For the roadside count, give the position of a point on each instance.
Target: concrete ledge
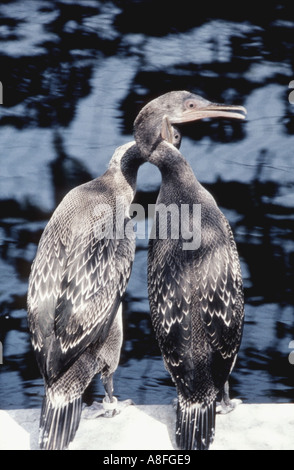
(151, 427)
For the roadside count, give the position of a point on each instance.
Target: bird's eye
(190, 104)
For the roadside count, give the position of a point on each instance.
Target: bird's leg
(109, 401)
(226, 405)
(109, 407)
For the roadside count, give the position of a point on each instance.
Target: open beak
(211, 110)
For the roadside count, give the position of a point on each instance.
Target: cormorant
(76, 285)
(195, 291)
(78, 277)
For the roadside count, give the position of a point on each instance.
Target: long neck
(130, 166)
(156, 150)
(172, 165)
(177, 174)
(147, 128)
(124, 165)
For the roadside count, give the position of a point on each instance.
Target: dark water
(74, 76)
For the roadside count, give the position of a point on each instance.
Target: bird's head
(157, 119)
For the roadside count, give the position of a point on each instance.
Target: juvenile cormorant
(195, 294)
(76, 284)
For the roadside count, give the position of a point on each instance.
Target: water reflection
(74, 76)
(67, 172)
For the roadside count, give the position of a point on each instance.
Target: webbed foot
(227, 406)
(106, 409)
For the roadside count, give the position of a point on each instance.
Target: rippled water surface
(74, 76)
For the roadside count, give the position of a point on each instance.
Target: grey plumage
(196, 303)
(76, 285)
(196, 296)
(80, 274)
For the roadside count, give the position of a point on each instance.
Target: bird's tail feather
(58, 424)
(195, 425)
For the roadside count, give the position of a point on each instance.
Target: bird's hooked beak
(209, 110)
